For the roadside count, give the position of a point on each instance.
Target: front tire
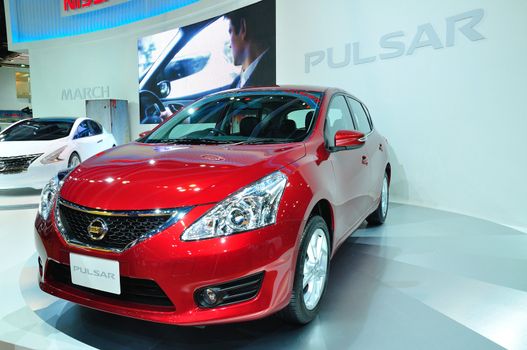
(379, 215)
(311, 273)
(74, 160)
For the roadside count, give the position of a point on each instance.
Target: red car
(228, 212)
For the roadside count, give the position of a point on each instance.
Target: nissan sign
(74, 7)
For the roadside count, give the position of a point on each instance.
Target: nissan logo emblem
(97, 229)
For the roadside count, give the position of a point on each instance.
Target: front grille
(133, 290)
(232, 292)
(124, 228)
(18, 164)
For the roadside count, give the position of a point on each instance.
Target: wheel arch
(323, 209)
(73, 153)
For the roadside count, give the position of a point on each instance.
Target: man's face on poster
(237, 43)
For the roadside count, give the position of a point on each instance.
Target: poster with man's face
(234, 50)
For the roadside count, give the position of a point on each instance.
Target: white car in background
(33, 150)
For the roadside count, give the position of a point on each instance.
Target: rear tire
(74, 160)
(379, 215)
(311, 274)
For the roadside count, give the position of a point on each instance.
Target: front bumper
(36, 176)
(182, 268)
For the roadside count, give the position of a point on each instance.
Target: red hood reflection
(142, 176)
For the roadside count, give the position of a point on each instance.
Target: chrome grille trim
(130, 213)
(17, 164)
(175, 215)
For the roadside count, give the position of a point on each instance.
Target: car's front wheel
(311, 275)
(74, 160)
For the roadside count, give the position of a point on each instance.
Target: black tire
(296, 311)
(74, 156)
(378, 216)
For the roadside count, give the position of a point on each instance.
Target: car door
(374, 148)
(107, 139)
(350, 168)
(85, 140)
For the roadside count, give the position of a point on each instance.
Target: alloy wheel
(315, 269)
(74, 161)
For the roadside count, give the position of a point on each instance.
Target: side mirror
(164, 87)
(348, 138)
(184, 67)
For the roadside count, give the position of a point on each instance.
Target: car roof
(286, 88)
(55, 119)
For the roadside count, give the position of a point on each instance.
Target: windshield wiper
(156, 141)
(261, 141)
(192, 141)
(189, 141)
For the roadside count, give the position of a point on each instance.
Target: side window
(212, 63)
(95, 127)
(83, 130)
(363, 124)
(337, 118)
(302, 117)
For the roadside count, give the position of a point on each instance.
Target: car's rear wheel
(379, 215)
(311, 274)
(74, 160)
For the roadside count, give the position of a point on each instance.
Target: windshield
(37, 130)
(244, 117)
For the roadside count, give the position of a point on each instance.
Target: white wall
(8, 99)
(105, 63)
(454, 116)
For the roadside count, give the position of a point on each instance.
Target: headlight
(49, 194)
(54, 156)
(250, 208)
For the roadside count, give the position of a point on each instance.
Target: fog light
(210, 296)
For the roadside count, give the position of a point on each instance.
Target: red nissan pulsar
(228, 212)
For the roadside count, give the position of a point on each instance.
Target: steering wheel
(150, 107)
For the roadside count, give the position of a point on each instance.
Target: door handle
(364, 160)
(99, 141)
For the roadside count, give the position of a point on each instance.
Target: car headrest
(247, 125)
(287, 128)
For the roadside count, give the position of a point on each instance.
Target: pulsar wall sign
(393, 45)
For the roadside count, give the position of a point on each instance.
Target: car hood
(20, 148)
(144, 176)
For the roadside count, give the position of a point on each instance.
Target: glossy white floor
(426, 279)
